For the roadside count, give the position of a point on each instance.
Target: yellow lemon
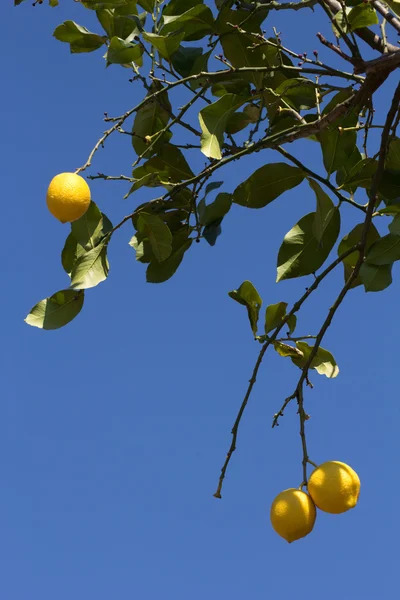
(68, 197)
(293, 514)
(334, 487)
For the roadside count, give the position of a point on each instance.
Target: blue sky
(113, 430)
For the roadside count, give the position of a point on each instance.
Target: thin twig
(262, 352)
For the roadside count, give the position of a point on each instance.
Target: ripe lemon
(293, 514)
(68, 197)
(334, 487)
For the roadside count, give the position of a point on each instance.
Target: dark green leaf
(56, 311)
(150, 119)
(375, 278)
(266, 184)
(393, 156)
(160, 272)
(360, 175)
(350, 240)
(79, 38)
(216, 210)
(169, 166)
(343, 172)
(325, 210)
(394, 226)
(71, 252)
(158, 234)
(248, 296)
(291, 323)
(338, 146)
(212, 231)
(384, 251)
(301, 253)
(389, 185)
(299, 93)
(274, 315)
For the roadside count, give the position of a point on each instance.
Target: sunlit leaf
(274, 315)
(301, 253)
(57, 310)
(79, 38)
(248, 296)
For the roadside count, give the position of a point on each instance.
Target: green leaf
(160, 272)
(298, 92)
(343, 172)
(375, 278)
(91, 227)
(104, 4)
(147, 5)
(301, 253)
(124, 53)
(389, 185)
(196, 22)
(266, 184)
(142, 247)
(323, 362)
(393, 156)
(394, 226)
(213, 119)
(274, 315)
(390, 209)
(216, 210)
(56, 311)
(363, 15)
(91, 268)
(291, 323)
(240, 120)
(394, 5)
(350, 240)
(148, 180)
(169, 166)
(150, 119)
(360, 175)
(79, 38)
(325, 210)
(248, 296)
(158, 234)
(384, 251)
(119, 25)
(238, 47)
(337, 146)
(184, 60)
(166, 45)
(286, 350)
(71, 252)
(212, 231)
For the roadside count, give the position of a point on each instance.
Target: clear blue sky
(113, 430)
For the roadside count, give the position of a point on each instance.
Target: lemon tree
(216, 81)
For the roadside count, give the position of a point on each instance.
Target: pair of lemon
(333, 487)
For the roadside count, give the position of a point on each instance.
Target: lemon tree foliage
(217, 74)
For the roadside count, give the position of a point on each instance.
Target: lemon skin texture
(334, 487)
(293, 514)
(68, 197)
